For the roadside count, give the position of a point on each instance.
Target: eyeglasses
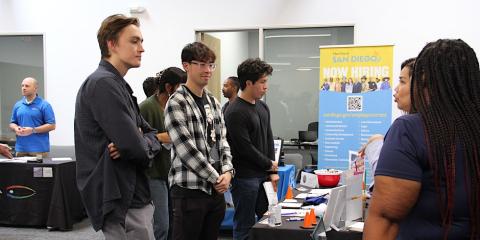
(211, 66)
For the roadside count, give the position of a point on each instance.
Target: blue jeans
(159, 193)
(249, 199)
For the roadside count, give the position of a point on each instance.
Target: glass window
(21, 56)
(294, 56)
(294, 84)
(231, 48)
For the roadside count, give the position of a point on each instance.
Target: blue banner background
(341, 131)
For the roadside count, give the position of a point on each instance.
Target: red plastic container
(328, 179)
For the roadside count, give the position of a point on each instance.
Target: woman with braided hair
(427, 182)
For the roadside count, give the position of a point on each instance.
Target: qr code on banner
(354, 103)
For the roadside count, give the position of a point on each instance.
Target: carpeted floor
(81, 231)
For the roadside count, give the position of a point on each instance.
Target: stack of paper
(357, 227)
(290, 204)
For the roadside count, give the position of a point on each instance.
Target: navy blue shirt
(404, 155)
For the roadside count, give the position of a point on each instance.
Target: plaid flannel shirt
(191, 162)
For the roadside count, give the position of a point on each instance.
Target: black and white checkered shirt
(192, 161)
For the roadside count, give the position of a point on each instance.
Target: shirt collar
(35, 100)
(107, 65)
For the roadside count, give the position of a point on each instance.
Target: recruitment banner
(355, 101)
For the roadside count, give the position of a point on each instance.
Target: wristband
(33, 130)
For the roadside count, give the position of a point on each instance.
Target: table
(300, 145)
(40, 194)
(292, 231)
(287, 177)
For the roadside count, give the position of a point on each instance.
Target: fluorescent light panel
(299, 36)
(303, 69)
(280, 64)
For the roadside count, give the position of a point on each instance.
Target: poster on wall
(355, 101)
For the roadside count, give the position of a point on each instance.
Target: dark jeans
(197, 217)
(249, 199)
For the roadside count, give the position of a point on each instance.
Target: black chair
(295, 159)
(311, 134)
(313, 126)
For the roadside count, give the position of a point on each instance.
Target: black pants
(197, 217)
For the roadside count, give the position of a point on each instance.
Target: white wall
(72, 51)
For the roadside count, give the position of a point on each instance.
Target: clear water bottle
(271, 215)
(275, 215)
(278, 215)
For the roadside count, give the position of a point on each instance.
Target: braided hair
(446, 93)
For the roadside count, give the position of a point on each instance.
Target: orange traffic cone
(313, 218)
(307, 223)
(289, 194)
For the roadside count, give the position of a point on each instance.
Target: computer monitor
(335, 207)
(278, 145)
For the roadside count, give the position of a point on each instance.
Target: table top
(45, 161)
(291, 230)
(294, 143)
(40, 194)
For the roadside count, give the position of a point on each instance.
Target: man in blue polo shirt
(32, 119)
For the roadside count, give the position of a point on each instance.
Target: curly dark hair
(252, 69)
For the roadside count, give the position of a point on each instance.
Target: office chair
(313, 126)
(294, 159)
